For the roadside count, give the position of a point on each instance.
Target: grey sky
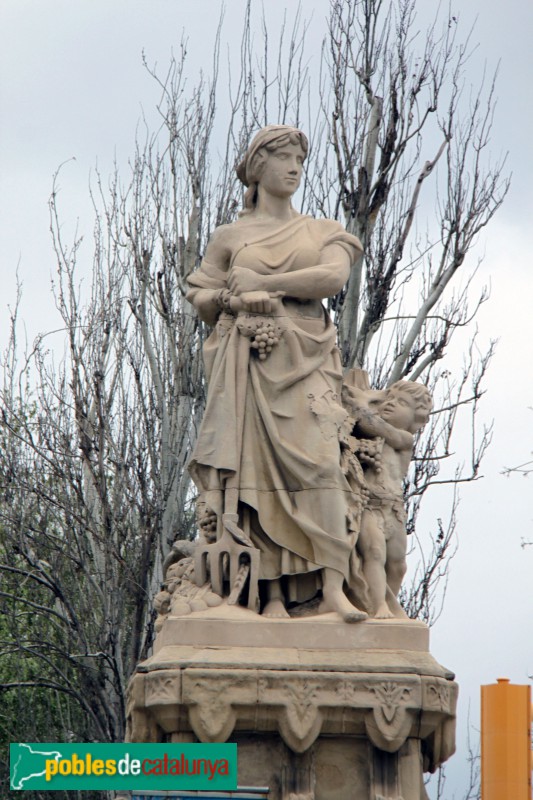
(72, 85)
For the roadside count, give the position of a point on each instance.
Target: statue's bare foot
(384, 612)
(275, 609)
(337, 601)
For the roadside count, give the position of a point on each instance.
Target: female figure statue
(268, 449)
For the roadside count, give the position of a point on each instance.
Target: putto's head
(407, 405)
(269, 140)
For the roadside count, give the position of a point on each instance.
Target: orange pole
(505, 741)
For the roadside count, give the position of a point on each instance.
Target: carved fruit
(181, 609)
(162, 602)
(212, 599)
(197, 604)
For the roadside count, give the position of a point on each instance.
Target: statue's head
(407, 405)
(268, 140)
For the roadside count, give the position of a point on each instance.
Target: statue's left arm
(309, 283)
(314, 282)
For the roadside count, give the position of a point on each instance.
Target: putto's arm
(369, 423)
(372, 424)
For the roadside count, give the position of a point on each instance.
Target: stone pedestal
(321, 710)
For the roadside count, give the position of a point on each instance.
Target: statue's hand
(255, 302)
(242, 280)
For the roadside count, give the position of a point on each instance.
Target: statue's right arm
(209, 302)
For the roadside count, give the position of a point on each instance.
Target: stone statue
(267, 462)
(300, 489)
(390, 418)
(300, 510)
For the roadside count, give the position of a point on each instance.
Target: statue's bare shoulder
(220, 245)
(224, 241)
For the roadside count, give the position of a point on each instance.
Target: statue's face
(282, 170)
(399, 410)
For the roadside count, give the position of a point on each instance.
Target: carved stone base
(321, 710)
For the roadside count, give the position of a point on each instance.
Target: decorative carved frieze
(299, 705)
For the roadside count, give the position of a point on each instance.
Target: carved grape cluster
(208, 526)
(265, 338)
(206, 520)
(370, 452)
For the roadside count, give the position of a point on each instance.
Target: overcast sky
(72, 86)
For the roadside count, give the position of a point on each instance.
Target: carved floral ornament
(439, 696)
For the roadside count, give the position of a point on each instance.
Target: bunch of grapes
(208, 526)
(370, 452)
(266, 336)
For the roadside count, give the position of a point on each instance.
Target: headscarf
(265, 136)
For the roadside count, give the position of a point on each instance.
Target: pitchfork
(234, 546)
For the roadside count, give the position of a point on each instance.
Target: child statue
(390, 418)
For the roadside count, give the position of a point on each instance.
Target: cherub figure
(385, 424)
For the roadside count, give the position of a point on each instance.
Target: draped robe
(272, 426)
